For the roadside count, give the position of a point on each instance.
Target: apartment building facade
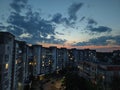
(6, 60)
(20, 65)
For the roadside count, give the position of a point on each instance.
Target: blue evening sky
(64, 22)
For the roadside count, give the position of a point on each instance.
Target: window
(8, 48)
(6, 66)
(6, 58)
(16, 62)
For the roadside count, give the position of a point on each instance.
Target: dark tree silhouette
(74, 82)
(115, 85)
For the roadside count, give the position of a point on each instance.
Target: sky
(93, 24)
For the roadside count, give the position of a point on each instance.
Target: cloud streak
(73, 9)
(103, 40)
(93, 27)
(82, 18)
(92, 22)
(99, 29)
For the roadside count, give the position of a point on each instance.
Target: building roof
(6, 33)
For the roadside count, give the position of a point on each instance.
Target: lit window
(16, 62)
(57, 67)
(6, 66)
(71, 58)
(30, 63)
(43, 56)
(49, 60)
(35, 63)
(43, 62)
(43, 65)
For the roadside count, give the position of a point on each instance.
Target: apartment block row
(104, 71)
(19, 61)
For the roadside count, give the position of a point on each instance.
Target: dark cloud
(73, 9)
(93, 28)
(30, 27)
(59, 33)
(104, 40)
(38, 39)
(92, 22)
(82, 18)
(17, 5)
(57, 18)
(32, 23)
(117, 38)
(99, 29)
(52, 39)
(16, 19)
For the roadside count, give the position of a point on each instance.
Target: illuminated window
(49, 60)
(43, 56)
(6, 66)
(35, 63)
(57, 67)
(43, 65)
(16, 62)
(30, 63)
(43, 62)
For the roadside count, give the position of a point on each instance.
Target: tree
(74, 82)
(115, 84)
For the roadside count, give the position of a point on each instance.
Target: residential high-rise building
(20, 65)
(47, 61)
(65, 56)
(29, 68)
(61, 58)
(37, 49)
(116, 57)
(75, 53)
(89, 55)
(54, 58)
(6, 60)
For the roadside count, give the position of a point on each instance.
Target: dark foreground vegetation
(74, 82)
(71, 80)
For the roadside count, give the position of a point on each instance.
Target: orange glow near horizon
(97, 48)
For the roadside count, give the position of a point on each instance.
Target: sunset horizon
(71, 24)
